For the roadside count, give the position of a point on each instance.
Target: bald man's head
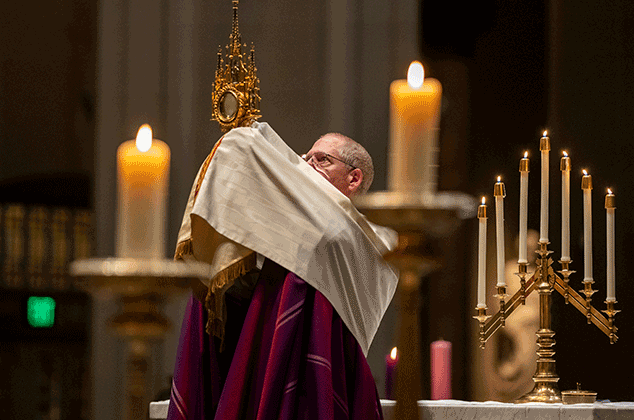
(349, 166)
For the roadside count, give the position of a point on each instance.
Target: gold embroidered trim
(215, 302)
(214, 299)
(205, 165)
(184, 248)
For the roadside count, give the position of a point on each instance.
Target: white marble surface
(158, 409)
(490, 410)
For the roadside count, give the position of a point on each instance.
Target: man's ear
(355, 177)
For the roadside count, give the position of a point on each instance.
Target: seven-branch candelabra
(545, 280)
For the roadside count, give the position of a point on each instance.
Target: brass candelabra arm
(581, 303)
(490, 324)
(566, 272)
(611, 312)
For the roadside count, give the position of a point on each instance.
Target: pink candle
(391, 361)
(441, 370)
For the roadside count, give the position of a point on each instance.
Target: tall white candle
(482, 254)
(523, 247)
(586, 185)
(499, 193)
(609, 210)
(565, 207)
(544, 147)
(143, 176)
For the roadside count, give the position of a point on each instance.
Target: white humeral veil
(254, 194)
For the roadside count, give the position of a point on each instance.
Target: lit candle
(586, 185)
(440, 370)
(523, 247)
(564, 165)
(143, 176)
(499, 192)
(414, 122)
(391, 361)
(610, 206)
(482, 254)
(544, 147)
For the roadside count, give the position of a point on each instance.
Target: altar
(456, 410)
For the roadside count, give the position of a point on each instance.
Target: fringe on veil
(214, 300)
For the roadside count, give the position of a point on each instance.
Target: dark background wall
(47, 101)
(591, 112)
(560, 66)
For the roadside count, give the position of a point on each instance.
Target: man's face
(323, 158)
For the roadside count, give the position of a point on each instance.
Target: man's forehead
(327, 143)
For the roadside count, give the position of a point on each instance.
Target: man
(288, 333)
(351, 173)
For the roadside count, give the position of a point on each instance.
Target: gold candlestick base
(141, 286)
(545, 377)
(543, 392)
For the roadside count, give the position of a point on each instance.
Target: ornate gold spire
(236, 95)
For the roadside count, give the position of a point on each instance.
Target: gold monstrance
(236, 95)
(544, 279)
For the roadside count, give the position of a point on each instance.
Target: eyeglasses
(323, 159)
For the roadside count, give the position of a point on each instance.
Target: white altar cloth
(490, 410)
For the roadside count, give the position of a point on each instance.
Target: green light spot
(40, 311)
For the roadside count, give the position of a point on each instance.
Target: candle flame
(525, 154)
(144, 138)
(565, 154)
(483, 201)
(393, 353)
(609, 191)
(545, 133)
(585, 173)
(499, 179)
(415, 75)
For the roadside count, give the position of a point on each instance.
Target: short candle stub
(610, 202)
(586, 181)
(544, 142)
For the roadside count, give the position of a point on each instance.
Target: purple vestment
(287, 356)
